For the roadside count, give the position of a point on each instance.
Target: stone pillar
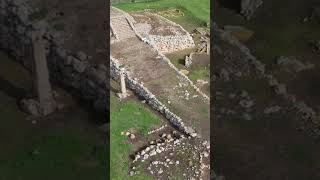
(124, 92)
(123, 83)
(42, 87)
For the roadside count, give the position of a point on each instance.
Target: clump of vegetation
(199, 74)
(171, 12)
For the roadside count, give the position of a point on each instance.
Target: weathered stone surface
(294, 63)
(272, 109)
(248, 7)
(150, 98)
(309, 118)
(188, 61)
(30, 106)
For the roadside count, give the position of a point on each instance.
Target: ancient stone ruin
(139, 44)
(165, 35)
(44, 103)
(71, 67)
(124, 92)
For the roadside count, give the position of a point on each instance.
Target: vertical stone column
(42, 87)
(123, 84)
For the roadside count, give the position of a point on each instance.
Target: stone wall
(178, 39)
(72, 69)
(142, 91)
(146, 40)
(171, 43)
(154, 47)
(309, 118)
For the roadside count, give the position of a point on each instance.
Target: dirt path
(163, 81)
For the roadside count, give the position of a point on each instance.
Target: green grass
(284, 33)
(30, 152)
(49, 154)
(197, 12)
(123, 116)
(199, 74)
(27, 153)
(300, 154)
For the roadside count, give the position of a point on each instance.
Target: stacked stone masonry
(160, 54)
(309, 117)
(72, 69)
(142, 91)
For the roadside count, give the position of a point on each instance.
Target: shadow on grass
(11, 90)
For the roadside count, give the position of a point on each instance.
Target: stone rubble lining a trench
(171, 142)
(72, 69)
(309, 116)
(130, 20)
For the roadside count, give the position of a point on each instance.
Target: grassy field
(199, 74)
(196, 12)
(64, 147)
(124, 116)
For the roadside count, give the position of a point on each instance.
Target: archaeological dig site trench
(160, 66)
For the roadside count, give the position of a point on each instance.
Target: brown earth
(82, 23)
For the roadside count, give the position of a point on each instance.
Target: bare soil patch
(81, 23)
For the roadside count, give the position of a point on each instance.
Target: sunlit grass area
(124, 116)
(195, 11)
